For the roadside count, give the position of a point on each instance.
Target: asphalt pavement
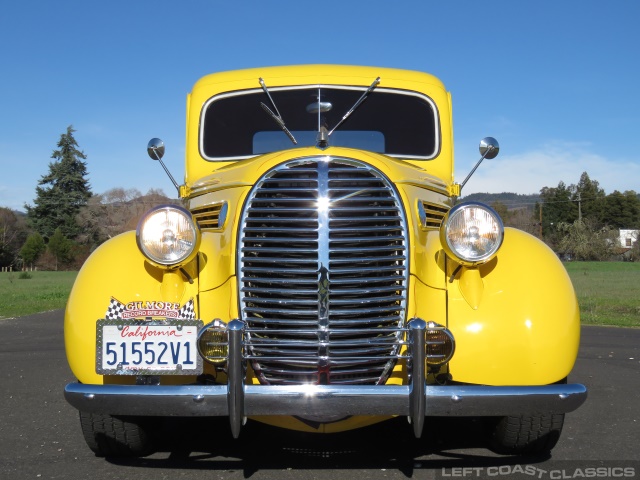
(40, 435)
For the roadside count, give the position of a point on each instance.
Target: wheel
(109, 436)
(526, 434)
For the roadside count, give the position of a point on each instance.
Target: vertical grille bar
(324, 281)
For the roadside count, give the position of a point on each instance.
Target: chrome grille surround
(323, 273)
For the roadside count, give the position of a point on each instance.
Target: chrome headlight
(471, 233)
(168, 236)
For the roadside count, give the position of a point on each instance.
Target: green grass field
(43, 291)
(608, 292)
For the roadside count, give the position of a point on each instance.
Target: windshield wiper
(357, 104)
(276, 116)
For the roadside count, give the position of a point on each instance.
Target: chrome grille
(323, 273)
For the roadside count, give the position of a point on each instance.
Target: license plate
(135, 347)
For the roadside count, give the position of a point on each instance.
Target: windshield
(391, 122)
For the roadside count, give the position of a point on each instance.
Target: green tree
(32, 249)
(60, 247)
(62, 192)
(557, 208)
(622, 210)
(590, 199)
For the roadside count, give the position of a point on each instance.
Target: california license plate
(136, 347)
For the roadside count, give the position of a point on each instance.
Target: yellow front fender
(117, 274)
(515, 319)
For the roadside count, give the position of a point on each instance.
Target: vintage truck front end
(321, 276)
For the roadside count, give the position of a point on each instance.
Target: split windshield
(392, 122)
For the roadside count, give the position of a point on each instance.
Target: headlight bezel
(176, 258)
(492, 231)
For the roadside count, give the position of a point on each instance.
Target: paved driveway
(40, 435)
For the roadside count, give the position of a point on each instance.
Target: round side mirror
(155, 149)
(489, 148)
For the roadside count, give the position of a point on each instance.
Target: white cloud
(528, 172)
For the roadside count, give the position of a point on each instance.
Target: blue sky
(556, 82)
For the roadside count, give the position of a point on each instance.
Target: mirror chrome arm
(155, 149)
(489, 149)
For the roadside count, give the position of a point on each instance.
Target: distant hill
(513, 201)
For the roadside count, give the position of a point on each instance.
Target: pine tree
(622, 210)
(590, 199)
(62, 192)
(557, 206)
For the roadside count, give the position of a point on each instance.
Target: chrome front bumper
(237, 400)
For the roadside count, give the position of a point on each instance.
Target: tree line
(67, 220)
(578, 221)
(582, 222)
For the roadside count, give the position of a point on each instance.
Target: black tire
(526, 434)
(109, 436)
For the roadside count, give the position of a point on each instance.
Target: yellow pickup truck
(322, 275)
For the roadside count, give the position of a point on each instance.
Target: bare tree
(13, 233)
(116, 211)
(586, 240)
(523, 219)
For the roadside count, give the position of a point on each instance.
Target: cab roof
(323, 74)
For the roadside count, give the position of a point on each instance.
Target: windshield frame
(396, 91)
